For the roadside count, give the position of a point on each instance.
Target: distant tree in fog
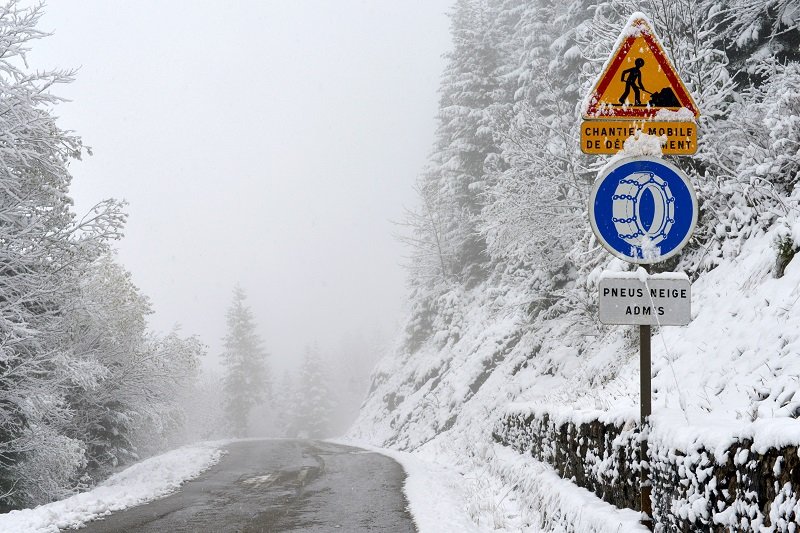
(314, 406)
(246, 383)
(285, 402)
(205, 417)
(352, 366)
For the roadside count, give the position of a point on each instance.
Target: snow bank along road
(279, 485)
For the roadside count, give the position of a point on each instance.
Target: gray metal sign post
(643, 210)
(646, 409)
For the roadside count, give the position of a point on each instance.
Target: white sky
(266, 143)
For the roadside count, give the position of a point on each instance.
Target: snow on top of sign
(615, 266)
(681, 115)
(639, 144)
(638, 24)
(637, 274)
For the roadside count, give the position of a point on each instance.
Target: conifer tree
(314, 405)
(285, 405)
(246, 383)
(448, 250)
(456, 177)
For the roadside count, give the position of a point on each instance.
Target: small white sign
(636, 298)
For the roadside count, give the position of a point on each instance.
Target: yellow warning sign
(639, 81)
(609, 136)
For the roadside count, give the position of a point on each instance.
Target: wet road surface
(279, 485)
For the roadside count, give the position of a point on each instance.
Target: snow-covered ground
(442, 498)
(445, 499)
(436, 494)
(732, 373)
(145, 481)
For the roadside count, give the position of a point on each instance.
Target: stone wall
(743, 488)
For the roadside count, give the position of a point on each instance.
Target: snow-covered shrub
(751, 165)
(51, 467)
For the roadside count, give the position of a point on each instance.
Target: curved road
(279, 485)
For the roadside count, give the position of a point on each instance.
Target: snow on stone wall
(602, 456)
(739, 483)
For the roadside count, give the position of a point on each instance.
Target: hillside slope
(736, 362)
(504, 271)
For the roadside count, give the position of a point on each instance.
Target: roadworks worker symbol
(639, 80)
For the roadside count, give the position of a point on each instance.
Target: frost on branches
(79, 376)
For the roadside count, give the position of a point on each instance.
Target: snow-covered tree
(167, 371)
(447, 250)
(107, 327)
(247, 381)
(45, 251)
(285, 402)
(143, 375)
(450, 188)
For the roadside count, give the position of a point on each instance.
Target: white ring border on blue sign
(604, 173)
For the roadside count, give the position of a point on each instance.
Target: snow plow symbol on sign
(639, 80)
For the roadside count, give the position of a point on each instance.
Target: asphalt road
(279, 485)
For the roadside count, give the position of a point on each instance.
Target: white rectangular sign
(663, 299)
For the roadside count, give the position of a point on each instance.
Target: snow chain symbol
(642, 209)
(626, 209)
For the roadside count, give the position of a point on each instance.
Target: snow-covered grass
(143, 482)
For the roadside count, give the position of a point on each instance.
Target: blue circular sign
(643, 209)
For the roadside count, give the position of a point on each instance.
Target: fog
(269, 144)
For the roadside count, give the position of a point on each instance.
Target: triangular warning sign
(639, 80)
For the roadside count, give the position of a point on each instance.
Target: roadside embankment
(726, 477)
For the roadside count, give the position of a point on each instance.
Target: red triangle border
(666, 66)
